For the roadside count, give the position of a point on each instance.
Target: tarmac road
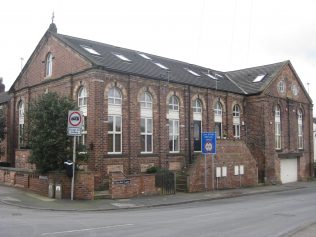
(288, 210)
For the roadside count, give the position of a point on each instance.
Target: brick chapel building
(142, 110)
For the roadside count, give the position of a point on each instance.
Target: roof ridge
(262, 66)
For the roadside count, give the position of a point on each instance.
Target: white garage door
(288, 170)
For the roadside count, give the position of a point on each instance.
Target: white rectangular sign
(74, 131)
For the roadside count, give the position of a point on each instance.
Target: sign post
(208, 147)
(75, 120)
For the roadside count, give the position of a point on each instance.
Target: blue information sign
(209, 142)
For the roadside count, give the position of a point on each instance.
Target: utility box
(58, 191)
(51, 190)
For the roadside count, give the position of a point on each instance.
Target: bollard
(58, 191)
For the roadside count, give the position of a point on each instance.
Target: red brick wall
(229, 154)
(136, 185)
(84, 182)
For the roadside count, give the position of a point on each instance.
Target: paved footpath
(20, 198)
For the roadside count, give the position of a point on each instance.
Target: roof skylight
(211, 76)
(219, 75)
(259, 78)
(90, 50)
(122, 57)
(144, 56)
(193, 72)
(161, 66)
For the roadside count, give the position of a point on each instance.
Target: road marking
(90, 229)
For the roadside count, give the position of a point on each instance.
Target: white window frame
(21, 123)
(146, 133)
(218, 118)
(173, 103)
(236, 121)
(114, 97)
(281, 86)
(278, 131)
(300, 129)
(82, 104)
(197, 106)
(146, 101)
(174, 126)
(114, 133)
(49, 65)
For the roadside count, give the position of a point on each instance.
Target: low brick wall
(84, 182)
(122, 186)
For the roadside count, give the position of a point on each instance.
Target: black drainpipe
(288, 124)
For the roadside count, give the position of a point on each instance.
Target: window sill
(147, 154)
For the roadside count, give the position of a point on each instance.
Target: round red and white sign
(74, 119)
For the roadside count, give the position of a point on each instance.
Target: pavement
(20, 198)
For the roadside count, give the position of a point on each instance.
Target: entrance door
(288, 170)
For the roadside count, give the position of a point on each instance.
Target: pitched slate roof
(245, 77)
(141, 66)
(4, 97)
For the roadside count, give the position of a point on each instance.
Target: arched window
(236, 121)
(49, 65)
(218, 111)
(146, 101)
(82, 97)
(21, 123)
(146, 123)
(277, 119)
(197, 106)
(82, 104)
(114, 121)
(174, 144)
(173, 103)
(197, 124)
(115, 96)
(300, 129)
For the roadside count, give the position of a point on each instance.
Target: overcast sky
(223, 34)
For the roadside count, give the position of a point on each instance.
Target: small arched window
(218, 109)
(115, 96)
(197, 106)
(82, 97)
(236, 121)
(49, 65)
(277, 119)
(173, 103)
(21, 123)
(236, 111)
(146, 101)
(300, 129)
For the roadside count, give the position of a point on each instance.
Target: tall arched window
(114, 121)
(300, 129)
(218, 111)
(49, 65)
(82, 104)
(146, 123)
(236, 121)
(197, 124)
(174, 144)
(277, 119)
(21, 123)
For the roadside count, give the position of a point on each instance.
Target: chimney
(2, 86)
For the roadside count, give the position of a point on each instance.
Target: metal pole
(213, 172)
(205, 173)
(73, 169)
